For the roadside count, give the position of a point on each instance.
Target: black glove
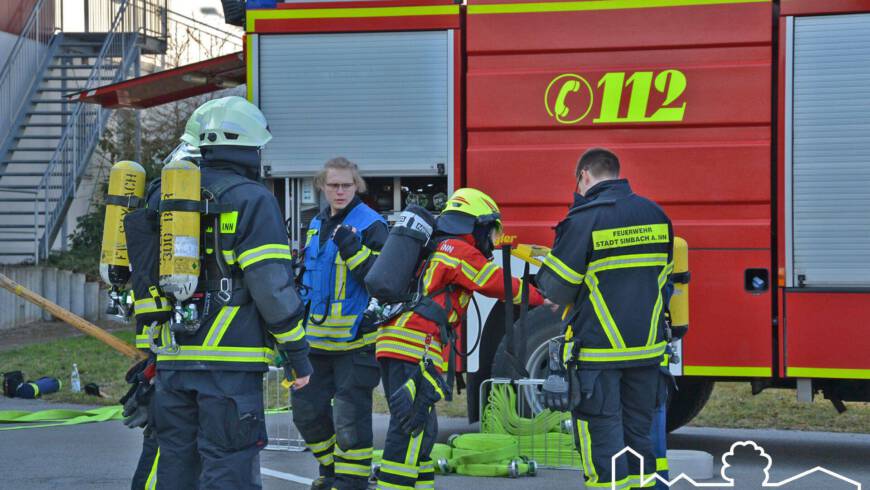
(136, 407)
(555, 389)
(346, 240)
(296, 364)
(138, 397)
(430, 390)
(402, 400)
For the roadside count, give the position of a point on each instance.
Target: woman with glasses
(341, 245)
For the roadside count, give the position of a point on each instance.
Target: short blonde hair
(340, 163)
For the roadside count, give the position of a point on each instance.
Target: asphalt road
(102, 456)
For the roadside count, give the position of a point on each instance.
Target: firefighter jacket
(611, 260)
(264, 310)
(333, 278)
(456, 270)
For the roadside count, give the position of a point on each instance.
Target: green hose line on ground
(508, 445)
(545, 438)
(58, 417)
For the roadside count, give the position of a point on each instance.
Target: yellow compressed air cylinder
(679, 305)
(126, 180)
(179, 229)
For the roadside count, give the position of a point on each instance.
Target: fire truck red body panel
(711, 171)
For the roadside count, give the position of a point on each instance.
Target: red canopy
(170, 85)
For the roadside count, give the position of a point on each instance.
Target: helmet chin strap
(483, 239)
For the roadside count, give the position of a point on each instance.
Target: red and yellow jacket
(456, 262)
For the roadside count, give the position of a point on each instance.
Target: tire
(686, 403)
(543, 325)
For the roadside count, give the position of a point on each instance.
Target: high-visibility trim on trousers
(323, 451)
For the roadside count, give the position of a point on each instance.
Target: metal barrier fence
(283, 435)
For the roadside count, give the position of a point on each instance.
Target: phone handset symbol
(568, 87)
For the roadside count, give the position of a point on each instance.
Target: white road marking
(286, 476)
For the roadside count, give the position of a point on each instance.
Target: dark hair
(599, 162)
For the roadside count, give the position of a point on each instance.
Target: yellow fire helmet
(467, 208)
(233, 121)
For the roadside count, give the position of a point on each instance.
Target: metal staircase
(46, 141)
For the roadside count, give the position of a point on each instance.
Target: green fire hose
(509, 445)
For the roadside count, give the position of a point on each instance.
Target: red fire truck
(747, 120)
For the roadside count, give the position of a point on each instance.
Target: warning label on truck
(629, 236)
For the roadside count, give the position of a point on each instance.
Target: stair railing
(84, 127)
(24, 65)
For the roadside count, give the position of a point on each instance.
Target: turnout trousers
(407, 462)
(616, 412)
(334, 415)
(210, 429)
(145, 477)
(659, 431)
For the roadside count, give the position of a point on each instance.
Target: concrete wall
(68, 290)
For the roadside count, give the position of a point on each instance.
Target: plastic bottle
(75, 380)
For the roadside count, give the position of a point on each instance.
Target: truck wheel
(542, 326)
(688, 400)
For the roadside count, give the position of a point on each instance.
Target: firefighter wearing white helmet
(209, 414)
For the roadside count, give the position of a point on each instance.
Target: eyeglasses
(344, 187)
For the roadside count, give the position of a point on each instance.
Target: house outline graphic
(729, 482)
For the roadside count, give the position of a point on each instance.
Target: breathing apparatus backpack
(166, 249)
(395, 279)
(126, 189)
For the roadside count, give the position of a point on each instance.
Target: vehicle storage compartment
(827, 197)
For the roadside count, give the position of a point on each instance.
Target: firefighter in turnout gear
(610, 262)
(209, 414)
(334, 412)
(411, 347)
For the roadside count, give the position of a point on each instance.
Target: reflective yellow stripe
(662, 464)
(219, 354)
(803, 372)
(150, 305)
(407, 333)
(329, 345)
(383, 484)
(220, 325)
(143, 340)
(413, 452)
(635, 481)
(354, 454)
(399, 469)
(608, 324)
(518, 8)
(617, 485)
(486, 274)
(657, 309)
(434, 383)
(346, 13)
(761, 372)
(229, 256)
(352, 469)
(293, 335)
(359, 257)
(628, 261)
(586, 452)
(626, 354)
(321, 446)
(263, 252)
(151, 482)
(561, 269)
